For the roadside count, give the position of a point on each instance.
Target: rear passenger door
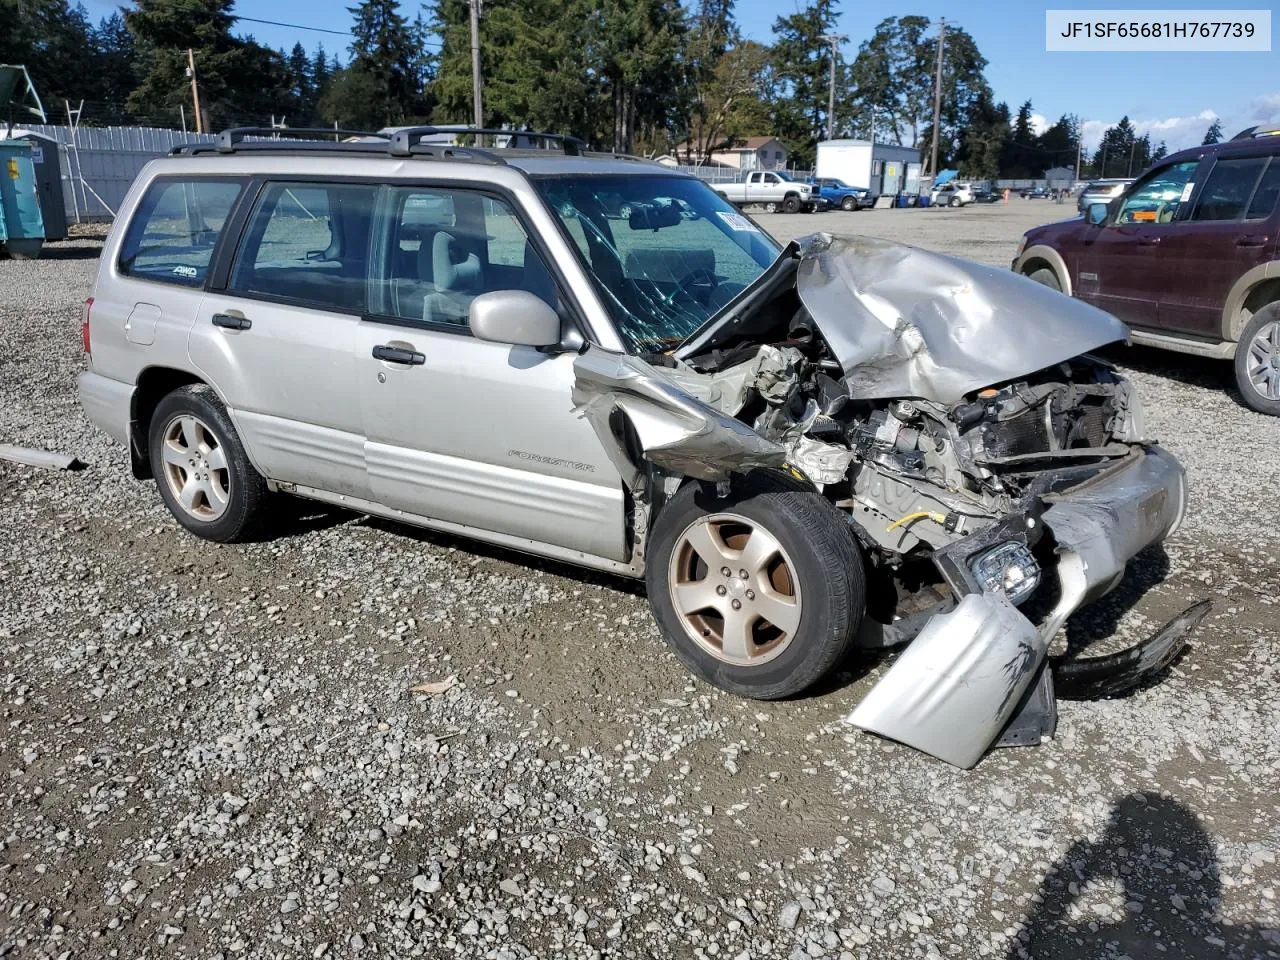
(461, 430)
(1229, 231)
(276, 333)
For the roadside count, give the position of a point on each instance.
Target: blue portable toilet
(21, 225)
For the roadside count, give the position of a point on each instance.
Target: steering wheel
(699, 280)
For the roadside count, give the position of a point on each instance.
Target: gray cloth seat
(457, 273)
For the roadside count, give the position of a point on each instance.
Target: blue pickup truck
(837, 193)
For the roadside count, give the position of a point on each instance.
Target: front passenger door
(1120, 261)
(461, 430)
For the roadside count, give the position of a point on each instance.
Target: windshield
(665, 252)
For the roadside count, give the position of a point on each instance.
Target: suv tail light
(84, 325)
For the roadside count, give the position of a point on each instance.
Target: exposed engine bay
(995, 474)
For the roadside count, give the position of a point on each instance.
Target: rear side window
(1263, 203)
(308, 243)
(173, 233)
(1227, 192)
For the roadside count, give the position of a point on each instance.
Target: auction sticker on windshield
(736, 221)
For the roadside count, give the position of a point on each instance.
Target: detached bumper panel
(957, 686)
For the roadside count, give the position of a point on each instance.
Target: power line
(338, 33)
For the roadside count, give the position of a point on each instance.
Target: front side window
(1157, 197)
(309, 243)
(446, 247)
(678, 255)
(172, 236)
(1228, 189)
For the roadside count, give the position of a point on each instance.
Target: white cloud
(1181, 132)
(1039, 123)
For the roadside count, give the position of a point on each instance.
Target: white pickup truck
(774, 190)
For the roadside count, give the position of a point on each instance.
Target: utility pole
(478, 108)
(1129, 170)
(937, 99)
(833, 40)
(1079, 143)
(195, 89)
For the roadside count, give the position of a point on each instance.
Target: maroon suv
(1188, 256)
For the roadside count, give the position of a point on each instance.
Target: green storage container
(21, 226)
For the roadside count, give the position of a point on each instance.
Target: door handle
(1148, 241)
(231, 322)
(1251, 240)
(410, 358)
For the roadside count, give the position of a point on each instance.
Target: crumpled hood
(904, 322)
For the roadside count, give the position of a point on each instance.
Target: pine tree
(302, 103)
(803, 59)
(1213, 134)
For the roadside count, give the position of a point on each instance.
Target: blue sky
(1171, 96)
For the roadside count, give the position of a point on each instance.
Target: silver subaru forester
(844, 442)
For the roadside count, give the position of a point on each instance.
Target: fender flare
(1234, 312)
(1050, 256)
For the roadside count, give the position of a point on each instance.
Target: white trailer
(846, 160)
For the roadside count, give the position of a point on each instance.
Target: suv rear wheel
(200, 466)
(1258, 361)
(759, 593)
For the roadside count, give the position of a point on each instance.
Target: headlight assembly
(1009, 569)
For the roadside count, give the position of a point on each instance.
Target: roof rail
(403, 141)
(227, 139)
(1252, 133)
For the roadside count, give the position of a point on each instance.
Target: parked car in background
(1188, 256)
(987, 195)
(774, 190)
(1034, 193)
(837, 193)
(951, 195)
(1101, 191)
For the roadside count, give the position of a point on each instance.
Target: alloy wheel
(195, 468)
(735, 589)
(1264, 361)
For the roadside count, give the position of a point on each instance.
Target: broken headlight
(1009, 569)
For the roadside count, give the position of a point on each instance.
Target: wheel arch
(1039, 257)
(153, 385)
(1258, 288)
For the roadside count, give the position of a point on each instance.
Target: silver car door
(462, 430)
(278, 339)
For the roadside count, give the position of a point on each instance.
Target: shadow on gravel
(1195, 371)
(1098, 621)
(1160, 859)
(71, 250)
(446, 541)
(296, 517)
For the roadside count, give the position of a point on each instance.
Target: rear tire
(1257, 361)
(1047, 277)
(200, 466)
(791, 204)
(806, 574)
(955, 202)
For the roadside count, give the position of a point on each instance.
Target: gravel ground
(216, 751)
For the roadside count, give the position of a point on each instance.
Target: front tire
(200, 466)
(955, 201)
(791, 204)
(1257, 361)
(792, 600)
(1047, 277)
(848, 204)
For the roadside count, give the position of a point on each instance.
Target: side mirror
(1097, 214)
(516, 317)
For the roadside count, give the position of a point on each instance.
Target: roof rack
(227, 139)
(1252, 133)
(404, 140)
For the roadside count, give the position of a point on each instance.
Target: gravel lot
(215, 751)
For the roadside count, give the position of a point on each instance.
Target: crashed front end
(996, 475)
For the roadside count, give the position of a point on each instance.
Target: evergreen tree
(302, 103)
(240, 81)
(802, 59)
(379, 87)
(1213, 134)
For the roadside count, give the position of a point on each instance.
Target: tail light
(84, 325)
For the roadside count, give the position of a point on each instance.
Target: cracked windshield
(666, 252)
